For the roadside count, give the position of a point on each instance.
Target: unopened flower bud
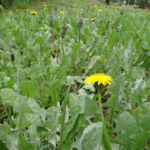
(63, 31)
(122, 10)
(51, 21)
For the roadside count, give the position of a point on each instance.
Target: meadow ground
(74, 76)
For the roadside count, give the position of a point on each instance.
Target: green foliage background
(44, 101)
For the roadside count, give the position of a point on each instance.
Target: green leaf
(36, 108)
(93, 61)
(140, 140)
(76, 103)
(76, 47)
(20, 76)
(79, 122)
(92, 137)
(89, 86)
(35, 120)
(76, 144)
(71, 79)
(145, 123)
(83, 38)
(13, 141)
(28, 89)
(69, 125)
(21, 106)
(54, 91)
(3, 132)
(116, 91)
(36, 70)
(52, 119)
(126, 123)
(23, 144)
(90, 108)
(62, 75)
(21, 122)
(113, 38)
(8, 96)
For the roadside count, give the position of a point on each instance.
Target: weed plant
(45, 57)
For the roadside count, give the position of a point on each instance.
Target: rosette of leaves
(122, 10)
(63, 31)
(51, 21)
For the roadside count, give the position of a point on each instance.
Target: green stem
(63, 47)
(118, 22)
(54, 43)
(105, 135)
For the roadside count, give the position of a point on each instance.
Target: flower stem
(54, 42)
(105, 135)
(118, 22)
(63, 48)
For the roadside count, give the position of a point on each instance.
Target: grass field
(74, 76)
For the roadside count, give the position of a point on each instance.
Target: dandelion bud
(122, 10)
(63, 31)
(55, 7)
(12, 57)
(81, 21)
(51, 21)
(78, 25)
(64, 27)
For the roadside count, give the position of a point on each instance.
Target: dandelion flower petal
(98, 77)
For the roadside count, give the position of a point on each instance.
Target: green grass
(44, 100)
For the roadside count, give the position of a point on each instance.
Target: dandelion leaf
(92, 137)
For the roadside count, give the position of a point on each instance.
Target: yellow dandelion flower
(93, 19)
(61, 12)
(107, 21)
(141, 15)
(100, 10)
(136, 13)
(34, 12)
(100, 78)
(17, 10)
(46, 138)
(95, 6)
(118, 8)
(17, 27)
(75, 5)
(45, 8)
(44, 5)
(27, 9)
